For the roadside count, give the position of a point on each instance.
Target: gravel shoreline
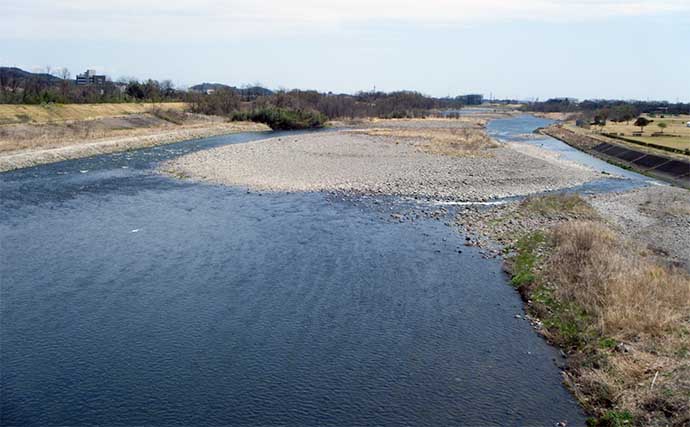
(360, 163)
(657, 217)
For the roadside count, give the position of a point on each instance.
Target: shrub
(283, 118)
(222, 102)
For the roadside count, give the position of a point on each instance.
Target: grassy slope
(623, 318)
(120, 127)
(11, 113)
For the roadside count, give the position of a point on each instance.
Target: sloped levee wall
(666, 168)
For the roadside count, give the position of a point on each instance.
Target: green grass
(567, 321)
(525, 261)
(607, 343)
(612, 419)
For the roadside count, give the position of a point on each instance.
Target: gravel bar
(359, 163)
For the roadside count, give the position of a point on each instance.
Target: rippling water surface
(129, 298)
(521, 128)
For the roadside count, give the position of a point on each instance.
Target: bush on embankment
(283, 118)
(623, 318)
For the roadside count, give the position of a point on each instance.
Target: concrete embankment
(674, 170)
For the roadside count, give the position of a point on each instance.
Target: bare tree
(167, 89)
(65, 83)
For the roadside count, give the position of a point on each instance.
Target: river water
(131, 298)
(614, 178)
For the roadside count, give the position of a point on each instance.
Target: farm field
(54, 113)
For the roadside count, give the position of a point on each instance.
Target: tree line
(602, 110)
(400, 104)
(297, 109)
(20, 87)
(282, 108)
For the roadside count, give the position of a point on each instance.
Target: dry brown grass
(24, 145)
(620, 310)
(558, 205)
(627, 294)
(20, 137)
(630, 317)
(677, 133)
(557, 116)
(437, 122)
(23, 137)
(461, 142)
(53, 113)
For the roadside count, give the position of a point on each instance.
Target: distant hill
(21, 76)
(250, 91)
(203, 87)
(255, 91)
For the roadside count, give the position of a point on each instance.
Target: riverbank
(60, 113)
(656, 216)
(671, 167)
(25, 145)
(440, 159)
(607, 279)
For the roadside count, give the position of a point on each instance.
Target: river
(131, 298)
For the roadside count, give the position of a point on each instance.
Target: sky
(518, 49)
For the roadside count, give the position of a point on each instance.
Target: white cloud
(183, 19)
